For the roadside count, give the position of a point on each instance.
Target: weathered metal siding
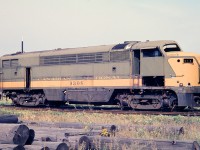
(29, 61)
(13, 74)
(13, 78)
(75, 73)
(82, 71)
(58, 71)
(152, 66)
(118, 69)
(169, 72)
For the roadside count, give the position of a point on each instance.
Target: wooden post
(53, 145)
(36, 147)
(8, 119)
(121, 143)
(13, 134)
(31, 137)
(11, 146)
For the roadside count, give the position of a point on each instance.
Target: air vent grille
(75, 58)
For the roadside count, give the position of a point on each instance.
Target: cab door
(136, 63)
(136, 67)
(152, 67)
(28, 78)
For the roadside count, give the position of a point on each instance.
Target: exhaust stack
(22, 45)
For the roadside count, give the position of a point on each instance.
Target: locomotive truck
(140, 75)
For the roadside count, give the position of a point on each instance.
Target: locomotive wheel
(133, 103)
(174, 105)
(121, 106)
(137, 105)
(21, 101)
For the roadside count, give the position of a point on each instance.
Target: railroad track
(87, 109)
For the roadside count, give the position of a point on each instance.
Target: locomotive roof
(90, 49)
(147, 44)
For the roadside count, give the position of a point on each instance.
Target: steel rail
(107, 111)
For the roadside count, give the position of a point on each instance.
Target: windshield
(171, 48)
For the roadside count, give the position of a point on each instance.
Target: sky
(51, 24)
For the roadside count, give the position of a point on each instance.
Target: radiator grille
(75, 58)
(119, 56)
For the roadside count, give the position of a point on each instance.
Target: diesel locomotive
(140, 75)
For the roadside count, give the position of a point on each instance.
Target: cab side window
(153, 52)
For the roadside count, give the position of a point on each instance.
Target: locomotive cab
(168, 76)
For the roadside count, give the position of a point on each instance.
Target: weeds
(191, 125)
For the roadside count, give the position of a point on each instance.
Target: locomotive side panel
(14, 71)
(13, 79)
(152, 62)
(13, 74)
(81, 81)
